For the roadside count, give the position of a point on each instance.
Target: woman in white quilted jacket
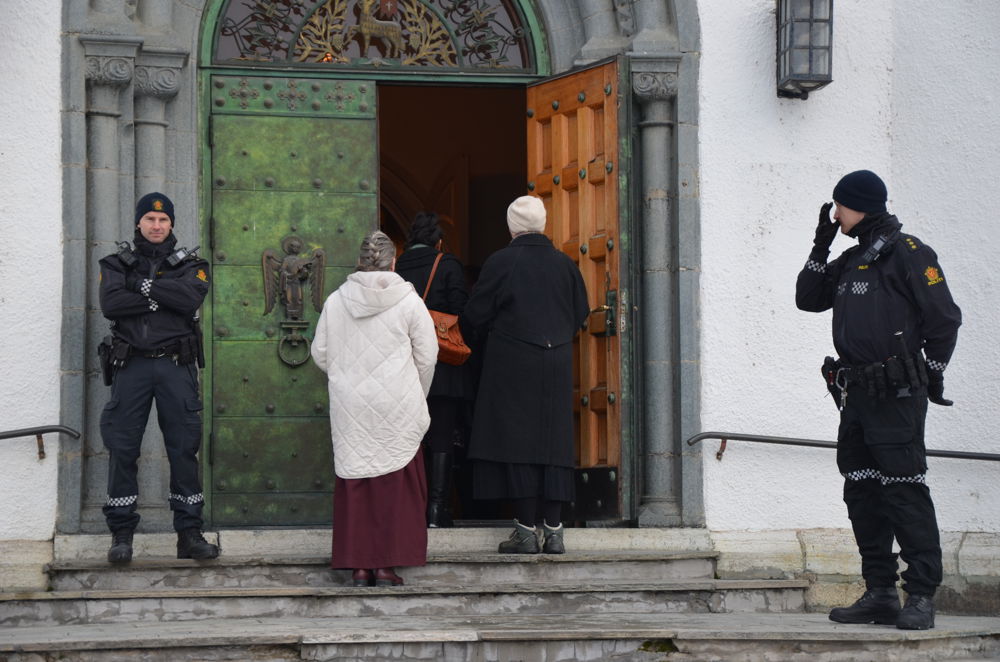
(376, 343)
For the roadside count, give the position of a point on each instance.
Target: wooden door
(294, 173)
(573, 166)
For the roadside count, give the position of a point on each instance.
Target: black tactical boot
(121, 546)
(553, 543)
(191, 544)
(439, 491)
(917, 613)
(877, 605)
(523, 540)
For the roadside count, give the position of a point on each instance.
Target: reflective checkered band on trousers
(937, 365)
(189, 500)
(859, 287)
(866, 474)
(818, 267)
(122, 501)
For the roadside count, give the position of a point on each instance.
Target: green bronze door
(294, 174)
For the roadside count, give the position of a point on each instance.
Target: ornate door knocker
(287, 277)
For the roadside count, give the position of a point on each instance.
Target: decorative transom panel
(470, 35)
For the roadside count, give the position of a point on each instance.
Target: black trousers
(178, 408)
(881, 454)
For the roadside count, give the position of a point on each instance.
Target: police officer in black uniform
(894, 326)
(151, 295)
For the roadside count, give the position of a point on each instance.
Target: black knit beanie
(154, 202)
(861, 190)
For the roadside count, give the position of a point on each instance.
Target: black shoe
(121, 546)
(553, 539)
(877, 605)
(523, 540)
(439, 491)
(191, 544)
(917, 613)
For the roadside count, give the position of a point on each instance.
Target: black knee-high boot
(439, 491)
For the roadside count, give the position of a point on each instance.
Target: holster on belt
(829, 369)
(104, 359)
(187, 350)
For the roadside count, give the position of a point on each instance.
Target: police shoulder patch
(201, 275)
(933, 275)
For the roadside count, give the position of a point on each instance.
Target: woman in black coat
(447, 294)
(531, 300)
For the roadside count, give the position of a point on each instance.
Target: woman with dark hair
(377, 345)
(447, 294)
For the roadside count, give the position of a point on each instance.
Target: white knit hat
(526, 214)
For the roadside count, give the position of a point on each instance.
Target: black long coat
(448, 294)
(531, 300)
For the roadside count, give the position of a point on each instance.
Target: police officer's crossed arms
(894, 327)
(152, 294)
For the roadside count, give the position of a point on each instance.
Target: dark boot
(363, 577)
(387, 577)
(523, 540)
(439, 491)
(553, 539)
(877, 605)
(917, 613)
(191, 544)
(121, 546)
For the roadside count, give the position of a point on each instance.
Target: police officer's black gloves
(826, 230)
(935, 388)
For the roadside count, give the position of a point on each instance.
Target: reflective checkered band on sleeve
(875, 474)
(859, 287)
(937, 365)
(122, 501)
(818, 267)
(841, 288)
(146, 285)
(189, 500)
(153, 305)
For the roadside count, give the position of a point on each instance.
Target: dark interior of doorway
(459, 151)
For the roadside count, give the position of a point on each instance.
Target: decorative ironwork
(287, 278)
(244, 93)
(455, 34)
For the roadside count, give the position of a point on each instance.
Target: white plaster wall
(913, 98)
(30, 262)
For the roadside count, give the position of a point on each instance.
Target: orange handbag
(451, 346)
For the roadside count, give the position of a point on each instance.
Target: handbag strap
(431, 277)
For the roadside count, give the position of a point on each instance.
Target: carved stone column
(157, 76)
(109, 70)
(654, 84)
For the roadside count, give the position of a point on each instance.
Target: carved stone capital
(109, 60)
(655, 85)
(161, 82)
(111, 71)
(158, 72)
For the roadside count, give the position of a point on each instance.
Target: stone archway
(132, 124)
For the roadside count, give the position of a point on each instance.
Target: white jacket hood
(367, 293)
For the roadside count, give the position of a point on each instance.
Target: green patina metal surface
(294, 175)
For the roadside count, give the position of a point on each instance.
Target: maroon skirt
(381, 522)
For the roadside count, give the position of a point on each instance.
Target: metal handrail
(816, 443)
(37, 433)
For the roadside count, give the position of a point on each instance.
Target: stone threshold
(745, 629)
(431, 587)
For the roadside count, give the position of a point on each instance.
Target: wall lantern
(805, 46)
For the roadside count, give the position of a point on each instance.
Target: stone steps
(454, 569)
(192, 604)
(732, 637)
